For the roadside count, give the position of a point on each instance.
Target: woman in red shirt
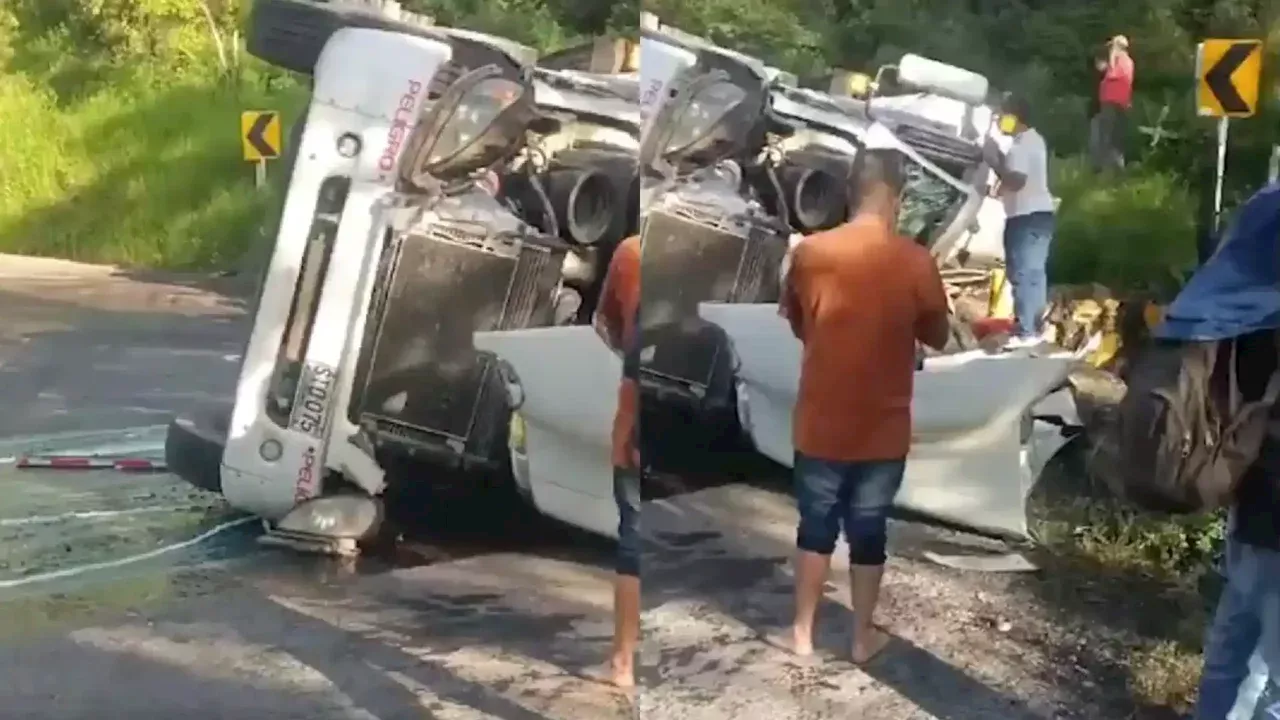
(1115, 96)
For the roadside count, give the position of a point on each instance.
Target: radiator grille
(420, 380)
(685, 262)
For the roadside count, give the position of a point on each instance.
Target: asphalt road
(483, 618)
(85, 349)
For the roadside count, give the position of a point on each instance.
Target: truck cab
(442, 185)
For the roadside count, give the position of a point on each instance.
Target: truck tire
(194, 444)
(291, 33)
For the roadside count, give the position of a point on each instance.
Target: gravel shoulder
(968, 645)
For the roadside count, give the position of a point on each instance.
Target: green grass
(1147, 576)
(132, 166)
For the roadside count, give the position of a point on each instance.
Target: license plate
(311, 406)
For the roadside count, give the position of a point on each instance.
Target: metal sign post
(1227, 75)
(1224, 124)
(260, 140)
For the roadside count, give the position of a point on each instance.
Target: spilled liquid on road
(66, 539)
(79, 545)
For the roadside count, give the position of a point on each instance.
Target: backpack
(1184, 434)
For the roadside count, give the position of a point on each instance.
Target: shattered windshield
(927, 202)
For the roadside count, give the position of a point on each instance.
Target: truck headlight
(480, 119)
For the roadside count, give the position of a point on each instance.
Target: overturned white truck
(442, 184)
(985, 425)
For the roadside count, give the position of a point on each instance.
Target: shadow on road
(723, 579)
(288, 644)
(1081, 644)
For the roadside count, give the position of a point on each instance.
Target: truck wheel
(291, 33)
(194, 444)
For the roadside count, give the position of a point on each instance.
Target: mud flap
(970, 463)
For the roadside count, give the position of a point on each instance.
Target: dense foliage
(1134, 231)
(121, 114)
(121, 120)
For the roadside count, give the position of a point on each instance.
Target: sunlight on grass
(143, 172)
(1165, 675)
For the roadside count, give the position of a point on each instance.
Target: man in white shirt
(1028, 231)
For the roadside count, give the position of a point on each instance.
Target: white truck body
(984, 426)
(268, 469)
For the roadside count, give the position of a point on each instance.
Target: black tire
(291, 33)
(194, 444)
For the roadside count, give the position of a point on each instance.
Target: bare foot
(868, 645)
(613, 674)
(801, 642)
(623, 678)
(792, 641)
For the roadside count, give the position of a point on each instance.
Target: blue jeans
(1026, 255)
(1244, 641)
(626, 492)
(855, 496)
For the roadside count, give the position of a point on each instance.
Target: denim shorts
(853, 496)
(626, 492)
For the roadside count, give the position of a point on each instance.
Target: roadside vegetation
(122, 132)
(121, 123)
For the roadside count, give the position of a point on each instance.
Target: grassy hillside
(138, 171)
(126, 149)
(122, 121)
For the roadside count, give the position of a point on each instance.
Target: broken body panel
(976, 449)
(985, 426)
(565, 388)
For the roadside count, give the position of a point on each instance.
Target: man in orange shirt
(859, 296)
(616, 322)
